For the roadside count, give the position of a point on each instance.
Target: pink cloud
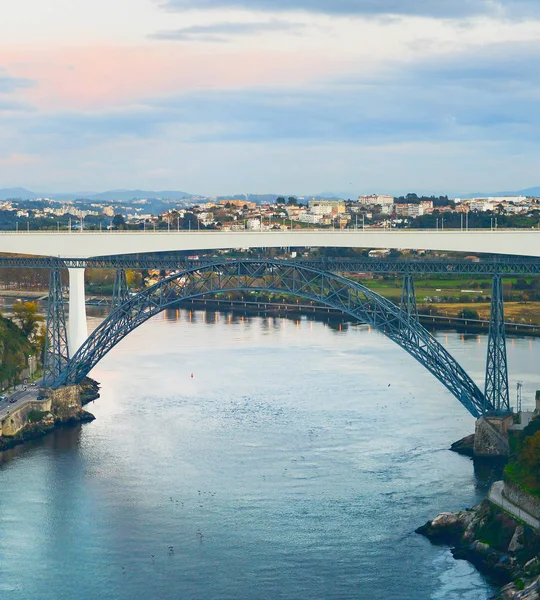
(107, 76)
(15, 160)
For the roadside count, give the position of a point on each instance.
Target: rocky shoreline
(89, 391)
(498, 545)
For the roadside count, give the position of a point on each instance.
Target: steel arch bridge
(274, 276)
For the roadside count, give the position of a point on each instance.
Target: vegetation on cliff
(524, 465)
(14, 351)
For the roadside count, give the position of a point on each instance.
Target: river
(296, 463)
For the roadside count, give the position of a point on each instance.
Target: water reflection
(287, 468)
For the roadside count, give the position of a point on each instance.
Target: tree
(26, 316)
(468, 313)
(292, 201)
(280, 200)
(119, 221)
(530, 455)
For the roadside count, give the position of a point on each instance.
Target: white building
(415, 210)
(480, 205)
(327, 207)
(376, 200)
(253, 224)
(310, 218)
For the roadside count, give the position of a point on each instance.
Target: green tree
(530, 455)
(468, 313)
(292, 201)
(119, 221)
(26, 316)
(280, 200)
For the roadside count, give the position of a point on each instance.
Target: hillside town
(241, 213)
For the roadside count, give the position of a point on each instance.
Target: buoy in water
(192, 375)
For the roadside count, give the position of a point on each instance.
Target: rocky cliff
(497, 544)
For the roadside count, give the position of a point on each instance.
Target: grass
(517, 312)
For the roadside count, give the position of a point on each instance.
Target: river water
(295, 464)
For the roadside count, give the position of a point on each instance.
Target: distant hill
(9, 193)
(533, 191)
(126, 195)
(110, 195)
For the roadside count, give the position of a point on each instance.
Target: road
(495, 496)
(22, 397)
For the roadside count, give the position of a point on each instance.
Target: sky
(270, 96)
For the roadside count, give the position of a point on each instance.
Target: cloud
(491, 96)
(15, 160)
(10, 84)
(221, 32)
(429, 8)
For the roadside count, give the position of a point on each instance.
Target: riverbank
(301, 308)
(495, 542)
(41, 423)
(500, 535)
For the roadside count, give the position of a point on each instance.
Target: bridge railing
(271, 230)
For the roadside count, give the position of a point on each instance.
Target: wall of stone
(488, 439)
(18, 416)
(65, 402)
(518, 496)
(501, 424)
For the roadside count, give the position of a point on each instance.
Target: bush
(35, 416)
(468, 313)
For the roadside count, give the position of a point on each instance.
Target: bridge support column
(56, 353)
(497, 393)
(408, 298)
(120, 290)
(77, 327)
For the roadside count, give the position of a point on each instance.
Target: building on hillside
(409, 210)
(480, 205)
(327, 207)
(310, 218)
(238, 203)
(376, 200)
(415, 210)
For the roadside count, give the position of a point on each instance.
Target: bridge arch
(335, 291)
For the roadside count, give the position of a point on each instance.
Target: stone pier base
(491, 435)
(65, 402)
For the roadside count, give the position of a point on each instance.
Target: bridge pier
(408, 298)
(77, 326)
(120, 290)
(496, 390)
(56, 353)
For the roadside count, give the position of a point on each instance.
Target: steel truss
(120, 289)
(56, 353)
(275, 276)
(488, 266)
(497, 393)
(408, 298)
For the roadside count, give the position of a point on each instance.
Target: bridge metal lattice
(497, 392)
(120, 289)
(485, 266)
(56, 353)
(408, 298)
(273, 276)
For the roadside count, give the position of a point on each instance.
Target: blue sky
(295, 96)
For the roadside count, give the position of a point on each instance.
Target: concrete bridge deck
(85, 244)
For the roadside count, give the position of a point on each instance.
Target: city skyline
(218, 96)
